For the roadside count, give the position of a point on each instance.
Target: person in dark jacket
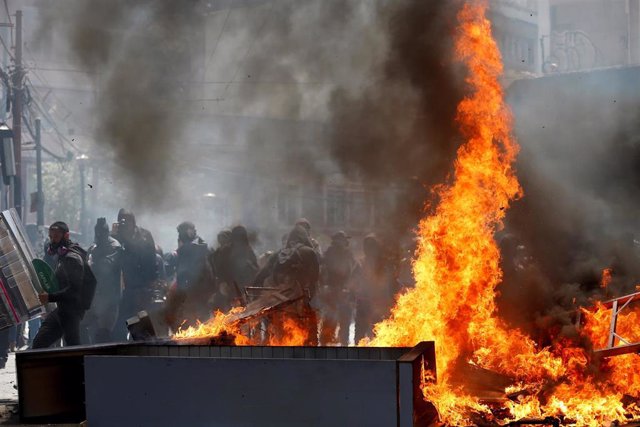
(304, 223)
(105, 259)
(191, 256)
(296, 265)
(236, 265)
(189, 299)
(223, 293)
(64, 321)
(338, 268)
(139, 271)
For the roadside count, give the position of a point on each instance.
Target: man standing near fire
(236, 264)
(304, 223)
(338, 269)
(139, 271)
(105, 261)
(194, 283)
(296, 265)
(72, 298)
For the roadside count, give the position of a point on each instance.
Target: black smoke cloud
(579, 215)
(141, 53)
(388, 86)
(385, 76)
(401, 130)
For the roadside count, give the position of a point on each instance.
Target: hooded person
(139, 270)
(295, 265)
(304, 223)
(337, 273)
(105, 259)
(70, 267)
(188, 300)
(191, 256)
(237, 264)
(221, 298)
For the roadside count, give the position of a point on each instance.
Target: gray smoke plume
(400, 131)
(140, 52)
(579, 170)
(390, 105)
(369, 89)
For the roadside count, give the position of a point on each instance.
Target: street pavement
(8, 387)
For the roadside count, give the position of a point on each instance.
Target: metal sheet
(134, 391)
(52, 384)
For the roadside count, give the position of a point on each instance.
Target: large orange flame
(457, 271)
(456, 268)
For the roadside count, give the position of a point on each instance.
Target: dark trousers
(59, 324)
(4, 347)
(16, 336)
(337, 312)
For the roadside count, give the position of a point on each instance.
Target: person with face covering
(188, 300)
(106, 262)
(295, 265)
(236, 264)
(139, 271)
(69, 261)
(304, 223)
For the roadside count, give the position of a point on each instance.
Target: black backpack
(89, 281)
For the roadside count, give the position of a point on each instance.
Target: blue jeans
(34, 325)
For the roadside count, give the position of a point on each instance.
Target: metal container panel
(167, 392)
(53, 384)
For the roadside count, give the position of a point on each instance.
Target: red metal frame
(617, 305)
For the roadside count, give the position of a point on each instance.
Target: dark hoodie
(139, 255)
(105, 258)
(237, 263)
(69, 272)
(297, 263)
(191, 262)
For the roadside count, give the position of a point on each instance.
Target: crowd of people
(124, 272)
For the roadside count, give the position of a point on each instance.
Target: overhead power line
(215, 47)
(250, 48)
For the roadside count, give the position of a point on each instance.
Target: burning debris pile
(457, 272)
(243, 325)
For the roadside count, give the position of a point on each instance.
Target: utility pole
(5, 32)
(40, 201)
(18, 89)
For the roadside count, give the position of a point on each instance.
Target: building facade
(554, 36)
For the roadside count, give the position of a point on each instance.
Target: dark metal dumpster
(164, 384)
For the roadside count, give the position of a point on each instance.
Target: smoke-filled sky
(196, 97)
(290, 91)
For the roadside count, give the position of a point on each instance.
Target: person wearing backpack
(295, 265)
(76, 285)
(105, 259)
